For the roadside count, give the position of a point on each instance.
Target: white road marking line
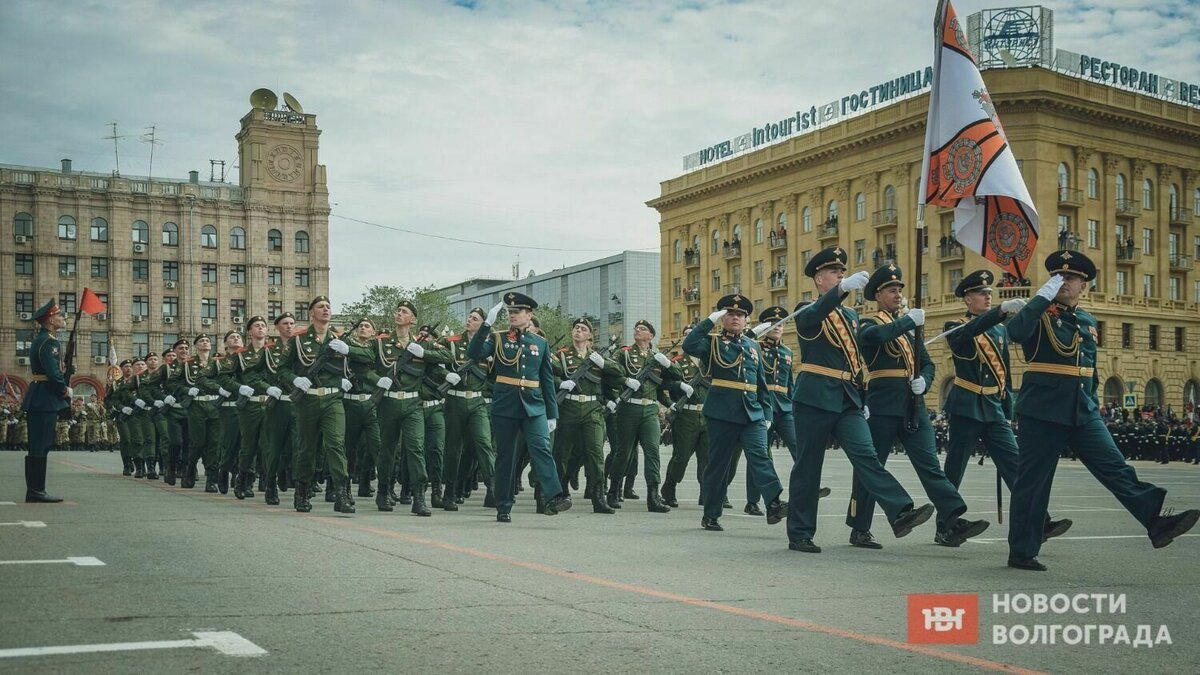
(78, 561)
(225, 642)
(8, 503)
(26, 523)
(1096, 536)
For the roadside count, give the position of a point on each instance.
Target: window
(889, 197)
(1147, 241)
(860, 251)
(1180, 334)
(1064, 222)
(237, 307)
(24, 264)
(208, 273)
(208, 308)
(274, 241)
(1196, 246)
(735, 275)
(716, 280)
(140, 343)
(274, 276)
(677, 251)
(99, 343)
(1064, 177)
(237, 274)
(169, 339)
(66, 228)
(860, 206)
(925, 286)
(716, 242)
(66, 302)
(1122, 282)
(1153, 336)
(25, 301)
(170, 270)
(1147, 195)
(758, 231)
(677, 287)
(99, 229)
(1148, 285)
(141, 232)
(1093, 233)
(301, 242)
(1093, 185)
(806, 296)
(737, 234)
(1126, 336)
(23, 225)
(208, 236)
(66, 265)
(103, 298)
(24, 340)
(806, 219)
(805, 256)
(1120, 186)
(677, 321)
(237, 239)
(832, 210)
(170, 234)
(302, 276)
(782, 222)
(758, 271)
(99, 268)
(141, 270)
(300, 311)
(1099, 333)
(1173, 288)
(956, 275)
(781, 262)
(274, 309)
(170, 306)
(1173, 198)
(1196, 291)
(141, 305)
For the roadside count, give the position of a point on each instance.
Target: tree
(555, 324)
(379, 303)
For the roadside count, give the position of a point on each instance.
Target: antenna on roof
(149, 137)
(116, 155)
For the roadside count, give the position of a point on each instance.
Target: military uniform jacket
(277, 361)
(250, 369)
(777, 367)
(1063, 339)
(893, 360)
(739, 392)
(409, 377)
(980, 350)
(48, 395)
(307, 347)
(631, 361)
(690, 373)
(524, 385)
(226, 374)
(154, 386)
(595, 381)
(363, 371)
(201, 375)
(476, 376)
(831, 371)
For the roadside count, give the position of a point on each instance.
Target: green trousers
(637, 425)
(124, 444)
(362, 436)
(282, 440)
(231, 434)
(689, 436)
(997, 437)
(252, 422)
(321, 425)
(580, 439)
(142, 429)
(204, 435)
(175, 419)
(468, 437)
(402, 441)
(435, 439)
(537, 442)
(752, 438)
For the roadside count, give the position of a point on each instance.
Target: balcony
(776, 242)
(1179, 263)
(730, 289)
(778, 279)
(733, 251)
(1129, 208)
(1181, 216)
(1128, 255)
(884, 218)
(950, 251)
(1069, 241)
(691, 260)
(828, 230)
(691, 296)
(1070, 197)
(1014, 292)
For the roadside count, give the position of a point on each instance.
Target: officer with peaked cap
(48, 393)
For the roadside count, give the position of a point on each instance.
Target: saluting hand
(854, 282)
(493, 314)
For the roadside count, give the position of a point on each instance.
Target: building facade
(170, 258)
(1113, 173)
(615, 292)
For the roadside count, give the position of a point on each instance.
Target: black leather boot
(435, 495)
(654, 503)
(418, 501)
(450, 498)
(629, 493)
(138, 468)
(489, 497)
(35, 482)
(341, 498)
(126, 467)
(331, 490)
(538, 501)
(151, 474)
(248, 486)
(262, 483)
(271, 492)
(188, 480)
(614, 493)
(169, 478)
(210, 482)
(668, 494)
(597, 496)
(349, 492)
(406, 496)
(223, 481)
(300, 499)
(239, 486)
(364, 485)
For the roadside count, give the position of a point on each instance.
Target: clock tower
(277, 152)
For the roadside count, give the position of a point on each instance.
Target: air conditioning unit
(172, 284)
(22, 360)
(137, 318)
(99, 360)
(20, 239)
(206, 321)
(273, 290)
(102, 316)
(139, 248)
(25, 316)
(168, 319)
(239, 319)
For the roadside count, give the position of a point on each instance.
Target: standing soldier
(524, 401)
(200, 386)
(362, 422)
(231, 434)
(468, 417)
(829, 404)
(253, 379)
(1058, 409)
(281, 416)
(48, 393)
(689, 433)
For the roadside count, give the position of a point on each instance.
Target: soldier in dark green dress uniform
(199, 386)
(281, 415)
(155, 383)
(48, 393)
(468, 417)
(175, 415)
(433, 409)
(231, 432)
(114, 405)
(901, 369)
(252, 378)
(1058, 409)
(689, 433)
(738, 410)
(523, 401)
(830, 402)
(362, 420)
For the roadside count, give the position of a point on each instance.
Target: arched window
(170, 234)
(301, 241)
(806, 219)
(716, 242)
(23, 225)
(860, 206)
(782, 221)
(99, 229)
(66, 227)
(274, 241)
(737, 233)
(208, 236)
(832, 210)
(1173, 199)
(678, 251)
(1196, 200)
(758, 231)
(141, 232)
(1114, 392)
(1093, 184)
(1064, 175)
(83, 389)
(889, 198)
(1147, 194)
(1120, 186)
(696, 244)
(1154, 392)
(237, 239)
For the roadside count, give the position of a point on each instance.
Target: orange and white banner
(968, 164)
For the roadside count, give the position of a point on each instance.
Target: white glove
(767, 423)
(246, 390)
(127, 410)
(346, 385)
(453, 378)
(1050, 288)
(551, 425)
(70, 392)
(1012, 307)
(222, 392)
(854, 282)
(612, 406)
(716, 316)
(416, 349)
(662, 360)
(384, 383)
(761, 328)
(339, 346)
(274, 392)
(158, 404)
(632, 383)
(866, 413)
(302, 383)
(493, 314)
(918, 385)
(596, 359)
(169, 400)
(567, 385)
(140, 403)
(193, 392)
(688, 390)
(917, 315)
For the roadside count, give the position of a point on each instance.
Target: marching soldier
(900, 370)
(77, 423)
(524, 401)
(176, 416)
(200, 387)
(362, 421)
(253, 379)
(114, 405)
(231, 433)
(1058, 409)
(155, 382)
(689, 433)
(433, 409)
(468, 416)
(281, 416)
(829, 403)
(738, 409)
(48, 393)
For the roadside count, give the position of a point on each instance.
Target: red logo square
(943, 618)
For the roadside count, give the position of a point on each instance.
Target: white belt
(693, 406)
(356, 397)
(285, 397)
(641, 401)
(323, 391)
(258, 398)
(205, 398)
(430, 404)
(465, 394)
(401, 395)
(581, 398)
(176, 405)
(229, 404)
(487, 401)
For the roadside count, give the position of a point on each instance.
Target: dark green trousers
(204, 434)
(252, 423)
(231, 436)
(724, 438)
(435, 439)
(402, 441)
(125, 442)
(321, 426)
(40, 427)
(175, 419)
(997, 437)
(580, 438)
(281, 432)
(689, 436)
(537, 441)
(468, 434)
(362, 435)
(637, 425)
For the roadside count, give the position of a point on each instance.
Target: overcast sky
(547, 124)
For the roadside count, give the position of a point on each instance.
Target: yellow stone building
(1118, 171)
(171, 258)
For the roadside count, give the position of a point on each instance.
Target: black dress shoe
(864, 539)
(40, 497)
(1031, 564)
(1168, 526)
(943, 539)
(963, 530)
(727, 505)
(711, 524)
(776, 511)
(753, 510)
(503, 518)
(824, 492)
(804, 546)
(1055, 528)
(911, 519)
(558, 504)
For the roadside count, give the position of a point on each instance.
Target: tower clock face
(283, 163)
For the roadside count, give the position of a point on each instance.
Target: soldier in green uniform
(252, 377)
(141, 429)
(1058, 409)
(433, 409)
(689, 433)
(637, 418)
(738, 408)
(155, 383)
(580, 431)
(900, 369)
(829, 402)
(175, 415)
(468, 416)
(281, 415)
(362, 421)
(231, 433)
(524, 401)
(114, 405)
(47, 394)
(199, 385)
(77, 424)
(980, 401)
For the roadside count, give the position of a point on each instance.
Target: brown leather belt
(1061, 369)
(518, 382)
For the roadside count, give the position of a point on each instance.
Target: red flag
(90, 303)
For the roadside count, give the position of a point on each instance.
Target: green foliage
(379, 303)
(555, 324)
